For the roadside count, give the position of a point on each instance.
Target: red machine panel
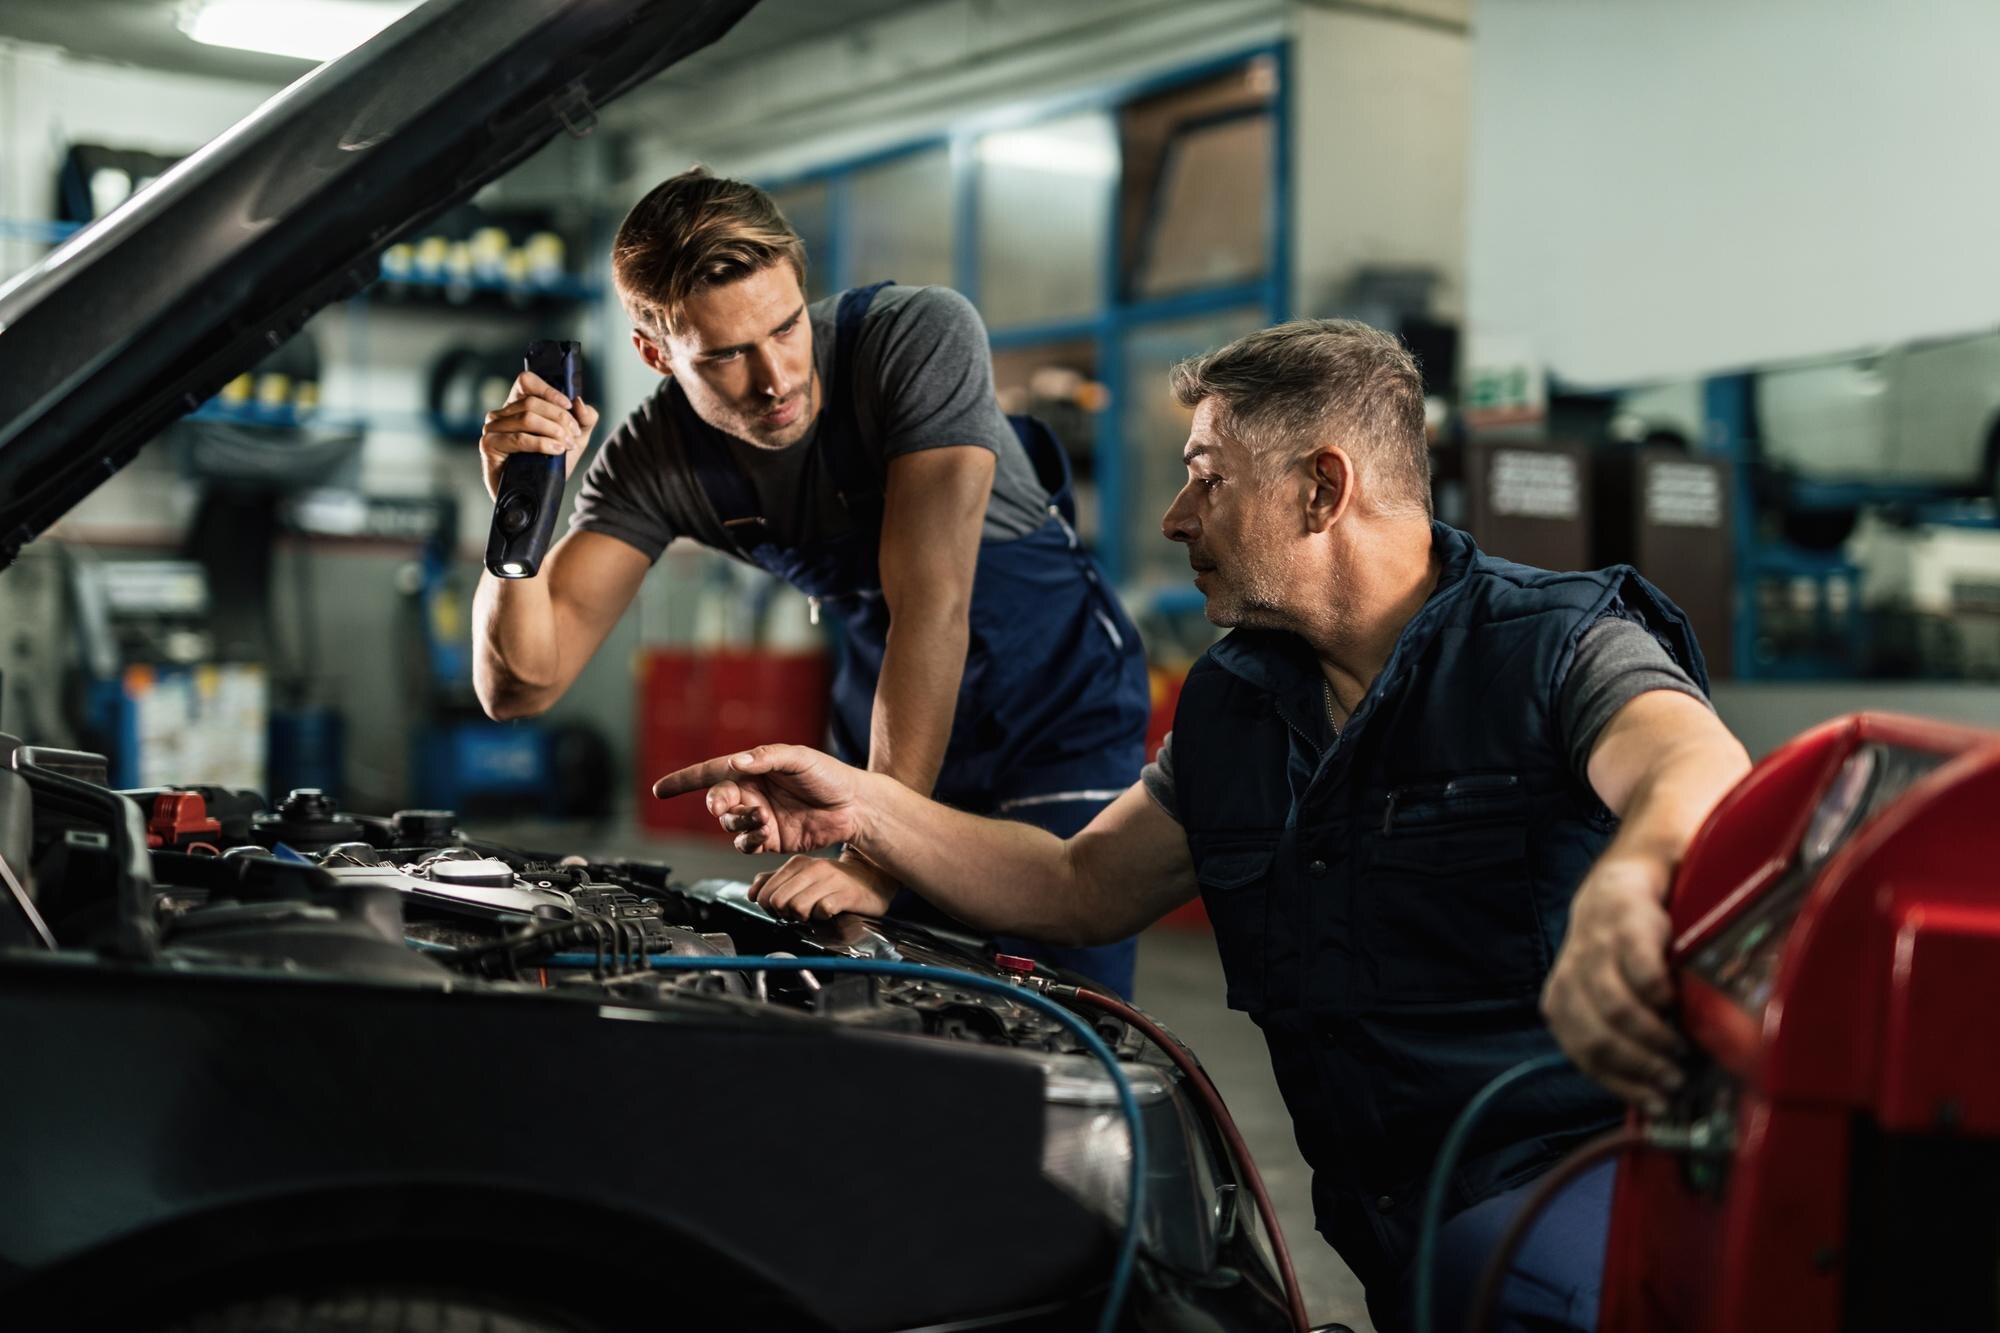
(1837, 947)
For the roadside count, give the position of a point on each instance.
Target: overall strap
(840, 428)
(716, 474)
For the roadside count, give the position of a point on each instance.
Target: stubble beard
(1263, 598)
(746, 426)
(1250, 600)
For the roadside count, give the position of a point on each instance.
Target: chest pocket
(1234, 870)
(1450, 900)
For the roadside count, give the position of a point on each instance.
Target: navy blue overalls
(1051, 718)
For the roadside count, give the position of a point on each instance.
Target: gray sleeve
(1158, 778)
(1616, 661)
(624, 489)
(934, 373)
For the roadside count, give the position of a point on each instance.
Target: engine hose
(1205, 1088)
(1128, 1103)
(1551, 1183)
(1446, 1165)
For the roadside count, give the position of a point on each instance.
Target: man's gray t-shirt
(923, 379)
(1616, 661)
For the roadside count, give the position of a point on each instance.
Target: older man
(1409, 768)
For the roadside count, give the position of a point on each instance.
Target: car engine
(207, 901)
(412, 897)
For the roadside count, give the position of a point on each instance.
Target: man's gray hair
(1290, 390)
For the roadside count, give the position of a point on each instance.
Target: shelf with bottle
(274, 400)
(484, 266)
(484, 271)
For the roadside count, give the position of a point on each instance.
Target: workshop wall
(1379, 98)
(1380, 94)
(1665, 190)
(916, 71)
(49, 99)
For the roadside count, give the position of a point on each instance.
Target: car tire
(366, 1311)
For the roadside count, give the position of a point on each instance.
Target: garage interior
(1706, 288)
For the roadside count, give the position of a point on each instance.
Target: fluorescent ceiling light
(307, 29)
(1067, 152)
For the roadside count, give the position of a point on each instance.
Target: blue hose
(1447, 1163)
(1135, 1210)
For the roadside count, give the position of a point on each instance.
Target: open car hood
(141, 317)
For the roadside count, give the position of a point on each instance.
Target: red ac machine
(1833, 1161)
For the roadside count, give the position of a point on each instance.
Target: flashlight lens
(513, 569)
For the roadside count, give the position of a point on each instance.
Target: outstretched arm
(1129, 867)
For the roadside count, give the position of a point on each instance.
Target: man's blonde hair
(1287, 391)
(692, 232)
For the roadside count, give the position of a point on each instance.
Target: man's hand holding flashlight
(537, 419)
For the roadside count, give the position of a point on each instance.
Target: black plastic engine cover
(185, 1130)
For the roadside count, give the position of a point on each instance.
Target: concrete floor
(1179, 982)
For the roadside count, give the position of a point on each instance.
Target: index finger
(529, 383)
(694, 777)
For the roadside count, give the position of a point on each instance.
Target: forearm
(995, 875)
(1669, 803)
(916, 695)
(516, 662)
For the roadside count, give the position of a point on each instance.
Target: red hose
(1239, 1151)
(1479, 1315)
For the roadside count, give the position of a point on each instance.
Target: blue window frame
(1120, 318)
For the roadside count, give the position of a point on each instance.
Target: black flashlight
(531, 485)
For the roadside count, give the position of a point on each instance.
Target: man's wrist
(1637, 863)
(872, 790)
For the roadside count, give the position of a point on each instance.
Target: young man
(853, 447)
(1394, 785)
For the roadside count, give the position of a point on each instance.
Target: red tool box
(696, 705)
(1835, 1155)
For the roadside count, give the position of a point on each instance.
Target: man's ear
(1331, 475)
(649, 352)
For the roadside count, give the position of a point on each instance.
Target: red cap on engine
(178, 816)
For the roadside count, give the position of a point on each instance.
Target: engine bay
(206, 876)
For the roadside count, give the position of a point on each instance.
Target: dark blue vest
(1387, 903)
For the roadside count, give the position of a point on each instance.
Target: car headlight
(1087, 1153)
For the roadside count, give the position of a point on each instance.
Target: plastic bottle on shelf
(546, 254)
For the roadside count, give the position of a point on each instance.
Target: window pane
(1155, 428)
(1197, 181)
(1044, 204)
(1057, 383)
(805, 207)
(899, 220)
(1208, 226)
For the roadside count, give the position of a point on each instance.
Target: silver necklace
(1332, 718)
